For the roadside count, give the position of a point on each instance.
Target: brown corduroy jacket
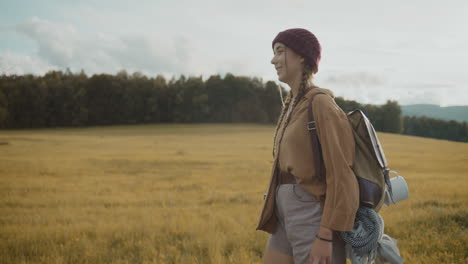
(339, 195)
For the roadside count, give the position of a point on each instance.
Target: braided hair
(307, 76)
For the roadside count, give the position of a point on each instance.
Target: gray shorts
(299, 215)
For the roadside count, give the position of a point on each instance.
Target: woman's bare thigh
(275, 257)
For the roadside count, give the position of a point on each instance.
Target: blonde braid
(280, 120)
(306, 76)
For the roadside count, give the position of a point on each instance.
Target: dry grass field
(193, 194)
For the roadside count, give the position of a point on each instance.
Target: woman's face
(288, 64)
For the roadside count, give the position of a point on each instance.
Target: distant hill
(457, 113)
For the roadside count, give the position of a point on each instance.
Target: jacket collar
(316, 89)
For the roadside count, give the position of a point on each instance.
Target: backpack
(370, 164)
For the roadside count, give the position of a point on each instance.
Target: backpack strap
(311, 126)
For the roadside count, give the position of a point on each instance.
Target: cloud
(62, 46)
(356, 79)
(56, 42)
(431, 93)
(371, 59)
(377, 88)
(420, 97)
(364, 87)
(429, 86)
(11, 63)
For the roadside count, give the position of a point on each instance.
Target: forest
(66, 99)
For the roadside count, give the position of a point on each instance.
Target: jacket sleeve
(337, 143)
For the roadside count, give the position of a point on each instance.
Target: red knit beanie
(304, 43)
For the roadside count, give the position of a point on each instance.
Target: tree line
(66, 99)
(388, 118)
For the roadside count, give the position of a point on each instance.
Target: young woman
(305, 207)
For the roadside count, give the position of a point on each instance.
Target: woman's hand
(321, 252)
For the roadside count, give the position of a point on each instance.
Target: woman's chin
(281, 78)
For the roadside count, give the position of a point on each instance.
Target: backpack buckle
(311, 125)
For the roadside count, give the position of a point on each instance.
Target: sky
(372, 50)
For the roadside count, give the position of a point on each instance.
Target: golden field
(193, 194)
